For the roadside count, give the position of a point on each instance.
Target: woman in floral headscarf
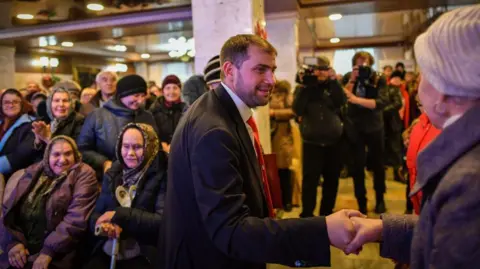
(46, 209)
(131, 204)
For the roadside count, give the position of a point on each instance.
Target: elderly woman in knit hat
(168, 109)
(46, 209)
(447, 232)
(63, 118)
(132, 200)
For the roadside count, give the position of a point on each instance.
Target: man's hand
(106, 217)
(106, 166)
(42, 262)
(352, 98)
(17, 256)
(341, 230)
(367, 231)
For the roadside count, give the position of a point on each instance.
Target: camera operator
(367, 97)
(317, 102)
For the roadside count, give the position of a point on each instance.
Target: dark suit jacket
(216, 214)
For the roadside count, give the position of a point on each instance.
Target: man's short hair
(364, 55)
(101, 74)
(235, 50)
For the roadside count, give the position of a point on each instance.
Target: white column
(282, 30)
(7, 67)
(214, 22)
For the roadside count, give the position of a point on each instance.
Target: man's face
(107, 84)
(32, 87)
(362, 61)
(322, 75)
(254, 80)
(134, 101)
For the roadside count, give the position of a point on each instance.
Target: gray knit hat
(448, 53)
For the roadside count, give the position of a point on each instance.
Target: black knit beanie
(130, 85)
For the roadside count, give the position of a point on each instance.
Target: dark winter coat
(167, 118)
(446, 235)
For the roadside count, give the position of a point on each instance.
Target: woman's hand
(106, 166)
(166, 147)
(106, 217)
(42, 262)
(17, 256)
(42, 131)
(111, 230)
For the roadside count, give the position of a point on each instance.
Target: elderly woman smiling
(46, 209)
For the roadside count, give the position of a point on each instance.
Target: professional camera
(364, 72)
(306, 74)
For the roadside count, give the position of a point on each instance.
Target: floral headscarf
(150, 151)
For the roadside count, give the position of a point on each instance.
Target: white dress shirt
(245, 112)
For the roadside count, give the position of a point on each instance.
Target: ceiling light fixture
(120, 48)
(25, 16)
(335, 17)
(145, 56)
(95, 7)
(334, 40)
(67, 44)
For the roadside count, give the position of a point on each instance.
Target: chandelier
(182, 48)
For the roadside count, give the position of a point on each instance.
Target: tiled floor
(368, 258)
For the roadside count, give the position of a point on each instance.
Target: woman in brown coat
(46, 209)
(282, 139)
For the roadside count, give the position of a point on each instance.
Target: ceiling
(365, 23)
(51, 11)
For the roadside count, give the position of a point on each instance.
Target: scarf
(55, 122)
(131, 176)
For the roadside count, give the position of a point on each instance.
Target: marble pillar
(214, 22)
(7, 67)
(282, 29)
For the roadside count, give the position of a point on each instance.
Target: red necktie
(261, 162)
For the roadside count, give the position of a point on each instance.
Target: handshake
(349, 230)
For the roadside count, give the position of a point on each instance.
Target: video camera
(306, 74)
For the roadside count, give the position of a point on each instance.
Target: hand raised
(42, 131)
(340, 228)
(367, 231)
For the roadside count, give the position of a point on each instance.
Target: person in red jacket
(422, 133)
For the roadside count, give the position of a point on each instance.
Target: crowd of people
(76, 161)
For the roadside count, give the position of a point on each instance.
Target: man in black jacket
(218, 209)
(318, 105)
(102, 127)
(367, 96)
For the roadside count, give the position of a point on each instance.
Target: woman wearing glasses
(16, 137)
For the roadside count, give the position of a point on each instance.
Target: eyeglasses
(11, 103)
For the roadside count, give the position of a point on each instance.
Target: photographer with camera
(367, 97)
(318, 102)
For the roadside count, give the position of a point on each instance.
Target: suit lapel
(242, 132)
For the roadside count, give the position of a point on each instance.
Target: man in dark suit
(218, 209)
